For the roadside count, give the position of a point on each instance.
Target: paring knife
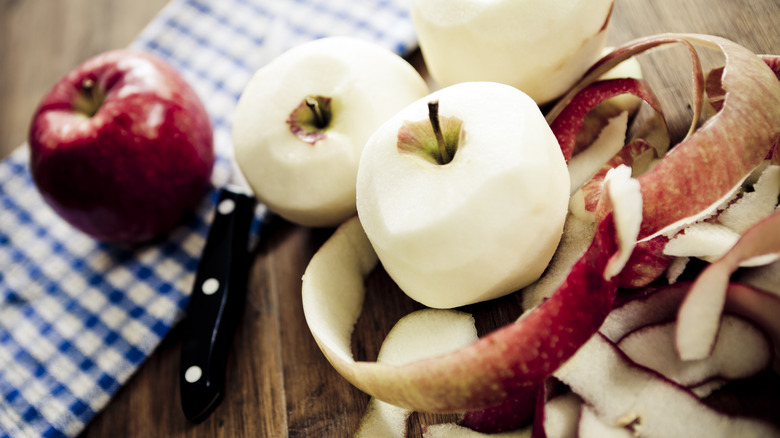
(216, 302)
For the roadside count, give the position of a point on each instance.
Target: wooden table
(278, 383)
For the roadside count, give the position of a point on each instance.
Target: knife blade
(216, 301)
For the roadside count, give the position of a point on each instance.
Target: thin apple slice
(627, 395)
(445, 331)
(741, 351)
(486, 372)
(699, 315)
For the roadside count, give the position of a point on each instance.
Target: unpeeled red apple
(301, 123)
(121, 147)
(541, 47)
(480, 226)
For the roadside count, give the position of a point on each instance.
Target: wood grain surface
(278, 382)
(41, 40)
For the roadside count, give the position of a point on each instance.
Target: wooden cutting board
(278, 382)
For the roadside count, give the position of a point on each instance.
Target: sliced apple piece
(464, 222)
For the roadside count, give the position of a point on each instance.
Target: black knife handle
(215, 305)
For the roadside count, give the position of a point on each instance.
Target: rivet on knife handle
(215, 304)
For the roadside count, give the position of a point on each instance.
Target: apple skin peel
(476, 228)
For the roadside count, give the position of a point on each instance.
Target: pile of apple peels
(636, 347)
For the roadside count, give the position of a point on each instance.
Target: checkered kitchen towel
(78, 317)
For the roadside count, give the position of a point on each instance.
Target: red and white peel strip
(522, 355)
(484, 373)
(675, 194)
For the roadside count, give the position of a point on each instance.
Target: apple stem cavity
(89, 98)
(311, 118)
(321, 119)
(435, 139)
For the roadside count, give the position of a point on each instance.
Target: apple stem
(89, 100)
(320, 121)
(433, 115)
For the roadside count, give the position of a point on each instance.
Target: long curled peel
(499, 364)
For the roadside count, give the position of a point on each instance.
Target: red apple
(122, 147)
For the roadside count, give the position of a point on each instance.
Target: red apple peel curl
(732, 143)
(499, 364)
(465, 379)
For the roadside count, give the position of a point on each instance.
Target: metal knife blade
(215, 303)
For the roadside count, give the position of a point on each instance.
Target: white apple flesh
(121, 147)
(301, 158)
(476, 228)
(540, 47)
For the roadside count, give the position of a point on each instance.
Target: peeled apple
(540, 47)
(479, 227)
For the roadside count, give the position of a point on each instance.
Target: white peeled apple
(301, 123)
(541, 47)
(477, 227)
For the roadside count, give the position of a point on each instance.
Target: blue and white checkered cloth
(78, 317)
